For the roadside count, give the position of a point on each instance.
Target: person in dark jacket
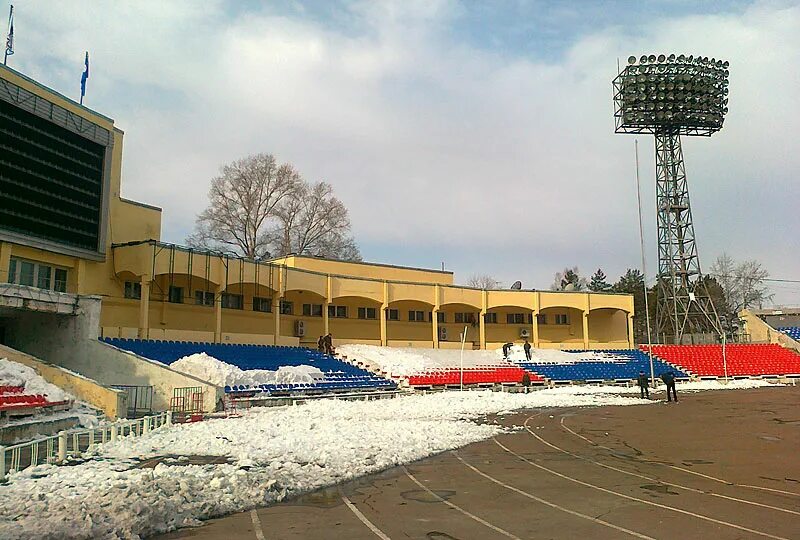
(669, 379)
(321, 344)
(328, 342)
(643, 381)
(506, 349)
(527, 348)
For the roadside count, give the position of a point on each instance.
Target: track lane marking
(456, 507)
(721, 481)
(257, 529)
(550, 504)
(631, 498)
(371, 526)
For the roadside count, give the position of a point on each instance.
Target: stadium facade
(65, 228)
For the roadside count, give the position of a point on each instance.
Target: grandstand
(754, 359)
(338, 375)
(15, 402)
(791, 331)
(614, 365)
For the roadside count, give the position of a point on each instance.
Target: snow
(405, 361)
(216, 372)
(273, 453)
(15, 374)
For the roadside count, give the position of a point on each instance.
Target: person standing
(328, 344)
(669, 379)
(643, 382)
(527, 348)
(321, 344)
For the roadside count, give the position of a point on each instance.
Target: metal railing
(57, 448)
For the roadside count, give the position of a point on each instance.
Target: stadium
(190, 364)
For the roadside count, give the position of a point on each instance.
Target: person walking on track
(669, 379)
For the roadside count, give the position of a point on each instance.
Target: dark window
(232, 301)
(204, 298)
(515, 318)
(12, 271)
(341, 312)
(490, 318)
(530, 318)
(312, 310)
(392, 315)
(416, 316)
(176, 294)
(367, 313)
(287, 308)
(262, 304)
(26, 273)
(60, 284)
(561, 318)
(440, 316)
(43, 278)
(133, 289)
(541, 318)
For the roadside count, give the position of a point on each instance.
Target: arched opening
(560, 328)
(408, 324)
(453, 318)
(608, 328)
(305, 306)
(355, 319)
(508, 324)
(247, 313)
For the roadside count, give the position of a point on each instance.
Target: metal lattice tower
(684, 305)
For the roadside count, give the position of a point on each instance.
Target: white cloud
(480, 156)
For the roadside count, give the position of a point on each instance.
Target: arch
(409, 330)
(361, 323)
(456, 316)
(561, 327)
(506, 323)
(608, 328)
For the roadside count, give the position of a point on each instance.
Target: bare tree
(483, 281)
(315, 222)
(258, 208)
(568, 280)
(743, 284)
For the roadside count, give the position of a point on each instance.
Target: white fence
(58, 448)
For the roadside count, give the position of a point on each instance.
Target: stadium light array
(684, 94)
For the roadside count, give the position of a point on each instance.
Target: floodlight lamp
(631, 60)
(661, 58)
(643, 59)
(690, 59)
(671, 58)
(651, 59)
(725, 64)
(681, 58)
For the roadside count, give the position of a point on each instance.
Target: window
(133, 290)
(392, 315)
(440, 316)
(465, 318)
(287, 308)
(204, 298)
(490, 318)
(232, 301)
(43, 281)
(416, 316)
(367, 313)
(312, 310)
(60, 283)
(32, 274)
(262, 304)
(339, 312)
(561, 318)
(541, 318)
(176, 294)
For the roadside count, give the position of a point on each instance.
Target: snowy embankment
(210, 369)
(273, 453)
(405, 361)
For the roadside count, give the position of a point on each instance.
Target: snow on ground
(404, 361)
(14, 374)
(274, 453)
(217, 372)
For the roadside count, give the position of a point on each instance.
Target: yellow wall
(367, 270)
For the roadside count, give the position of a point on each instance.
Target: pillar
(630, 331)
(535, 330)
(482, 319)
(276, 312)
(326, 327)
(384, 315)
(5, 261)
(586, 331)
(144, 308)
(218, 314)
(435, 317)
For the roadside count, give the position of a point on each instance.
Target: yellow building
(64, 227)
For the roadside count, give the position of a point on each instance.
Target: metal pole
(463, 340)
(644, 266)
(10, 22)
(724, 357)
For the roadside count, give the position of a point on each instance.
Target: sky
(475, 134)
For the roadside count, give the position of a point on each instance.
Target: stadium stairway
(617, 365)
(742, 359)
(338, 375)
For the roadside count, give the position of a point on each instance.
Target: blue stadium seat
(624, 364)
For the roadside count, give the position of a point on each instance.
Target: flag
(10, 37)
(84, 76)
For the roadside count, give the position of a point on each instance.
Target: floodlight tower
(669, 97)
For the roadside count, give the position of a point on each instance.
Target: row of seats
(22, 401)
(338, 374)
(791, 331)
(621, 364)
(324, 386)
(740, 359)
(452, 376)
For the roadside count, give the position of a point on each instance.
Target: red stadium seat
(741, 359)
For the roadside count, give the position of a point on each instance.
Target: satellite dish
(569, 287)
(517, 286)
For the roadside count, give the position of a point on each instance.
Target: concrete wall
(113, 402)
(71, 341)
(761, 332)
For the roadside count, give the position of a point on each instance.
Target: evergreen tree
(598, 282)
(632, 282)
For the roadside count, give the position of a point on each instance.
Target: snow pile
(216, 372)
(14, 374)
(274, 453)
